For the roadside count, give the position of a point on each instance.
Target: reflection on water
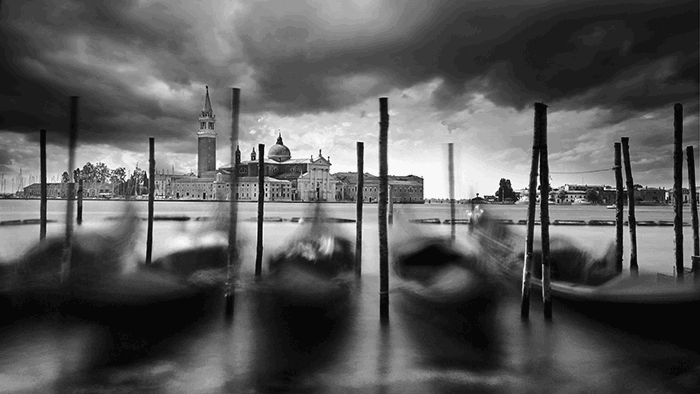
(162, 328)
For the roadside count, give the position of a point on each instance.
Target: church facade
(307, 179)
(285, 178)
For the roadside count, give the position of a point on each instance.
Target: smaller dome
(279, 152)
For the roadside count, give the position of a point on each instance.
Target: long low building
(60, 190)
(402, 189)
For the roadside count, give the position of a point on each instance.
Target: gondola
(451, 292)
(651, 305)
(303, 305)
(648, 305)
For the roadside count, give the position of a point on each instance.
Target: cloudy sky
(466, 72)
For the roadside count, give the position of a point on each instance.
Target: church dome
(279, 152)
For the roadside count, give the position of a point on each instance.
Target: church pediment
(322, 160)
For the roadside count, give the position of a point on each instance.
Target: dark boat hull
(645, 306)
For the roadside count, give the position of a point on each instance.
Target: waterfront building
(285, 178)
(651, 194)
(608, 194)
(165, 185)
(671, 198)
(403, 189)
(192, 187)
(247, 188)
(53, 190)
(305, 179)
(60, 190)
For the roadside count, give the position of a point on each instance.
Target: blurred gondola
(304, 305)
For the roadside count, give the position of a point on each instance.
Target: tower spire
(279, 139)
(206, 109)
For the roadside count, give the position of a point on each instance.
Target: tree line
(593, 195)
(122, 183)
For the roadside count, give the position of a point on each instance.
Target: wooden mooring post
(42, 205)
(72, 142)
(531, 207)
(390, 192)
(151, 197)
(381, 209)
(678, 188)
(261, 209)
(359, 203)
(541, 124)
(232, 263)
(451, 181)
(79, 218)
(634, 268)
(690, 156)
(619, 209)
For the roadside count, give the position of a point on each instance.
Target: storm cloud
(140, 67)
(624, 54)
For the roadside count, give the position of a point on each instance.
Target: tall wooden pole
(451, 181)
(79, 219)
(678, 187)
(531, 207)
(541, 124)
(42, 206)
(261, 208)
(619, 210)
(382, 214)
(693, 210)
(391, 204)
(359, 204)
(72, 142)
(233, 214)
(634, 268)
(151, 196)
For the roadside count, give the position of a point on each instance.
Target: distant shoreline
(639, 203)
(194, 200)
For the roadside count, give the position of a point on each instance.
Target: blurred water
(571, 354)
(655, 244)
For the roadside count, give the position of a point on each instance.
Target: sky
(462, 72)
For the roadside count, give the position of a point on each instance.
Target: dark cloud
(306, 57)
(513, 52)
(40, 81)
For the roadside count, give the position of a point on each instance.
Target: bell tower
(206, 138)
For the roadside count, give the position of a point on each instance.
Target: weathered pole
(381, 209)
(151, 196)
(359, 203)
(678, 188)
(42, 205)
(233, 214)
(634, 268)
(451, 181)
(619, 210)
(72, 142)
(79, 219)
(261, 209)
(541, 122)
(693, 211)
(531, 207)
(391, 204)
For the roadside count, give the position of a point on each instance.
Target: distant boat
(580, 201)
(611, 207)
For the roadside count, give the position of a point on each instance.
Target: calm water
(655, 244)
(571, 354)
